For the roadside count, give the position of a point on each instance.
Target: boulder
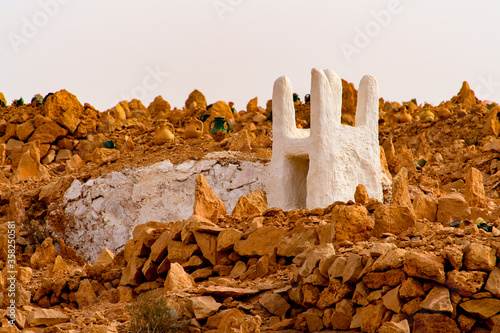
(493, 282)
(274, 303)
(46, 317)
(177, 279)
(202, 306)
(64, 108)
(434, 322)
(29, 164)
(252, 105)
(85, 296)
(352, 223)
(438, 300)
(48, 132)
(372, 317)
(464, 282)
(261, 242)
(425, 207)
(465, 96)
(424, 265)
(411, 288)
(241, 141)
(206, 202)
(24, 130)
(400, 194)
(452, 207)
(159, 107)
(227, 238)
(222, 109)
(479, 257)
(393, 219)
(361, 195)
(44, 255)
(297, 240)
(474, 189)
(198, 97)
(483, 307)
(454, 255)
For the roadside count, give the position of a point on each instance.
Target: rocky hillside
(425, 260)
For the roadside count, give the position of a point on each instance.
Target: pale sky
(233, 50)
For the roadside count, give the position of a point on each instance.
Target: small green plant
(152, 314)
(490, 106)
(414, 100)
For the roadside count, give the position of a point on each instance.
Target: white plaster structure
(315, 167)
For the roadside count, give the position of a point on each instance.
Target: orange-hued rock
(352, 223)
(44, 255)
(452, 207)
(222, 109)
(425, 207)
(349, 98)
(65, 109)
(29, 164)
(252, 105)
(158, 107)
(198, 97)
(465, 96)
(48, 132)
(206, 202)
(361, 196)
(241, 141)
(474, 189)
(393, 219)
(400, 194)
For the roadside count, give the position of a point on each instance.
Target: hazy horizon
(234, 50)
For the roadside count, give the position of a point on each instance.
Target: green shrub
(151, 314)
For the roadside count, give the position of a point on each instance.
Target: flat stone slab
(222, 291)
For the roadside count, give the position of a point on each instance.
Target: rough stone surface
(206, 202)
(424, 265)
(393, 219)
(85, 296)
(177, 279)
(484, 307)
(203, 306)
(434, 322)
(44, 255)
(474, 188)
(479, 257)
(261, 242)
(438, 299)
(452, 207)
(352, 223)
(465, 283)
(46, 317)
(104, 211)
(493, 282)
(274, 303)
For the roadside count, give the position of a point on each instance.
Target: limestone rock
(227, 238)
(261, 242)
(106, 257)
(391, 278)
(372, 317)
(479, 257)
(465, 96)
(392, 301)
(132, 274)
(85, 296)
(438, 299)
(202, 306)
(390, 260)
(297, 240)
(411, 288)
(424, 265)
(352, 223)
(159, 107)
(208, 246)
(425, 207)
(241, 141)
(483, 307)
(74, 163)
(48, 132)
(400, 194)
(46, 317)
(60, 268)
(361, 195)
(180, 252)
(434, 322)
(452, 207)
(29, 165)
(252, 105)
(393, 219)
(493, 282)
(474, 188)
(198, 97)
(309, 259)
(244, 207)
(178, 279)
(100, 329)
(160, 247)
(24, 130)
(206, 202)
(274, 303)
(64, 155)
(454, 255)
(64, 108)
(353, 268)
(44, 255)
(465, 283)
(222, 109)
